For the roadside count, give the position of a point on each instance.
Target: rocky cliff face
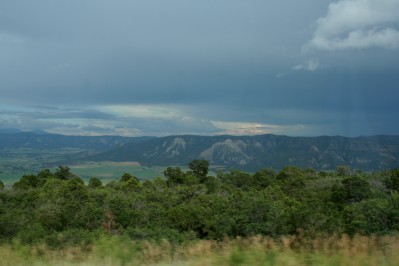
(227, 152)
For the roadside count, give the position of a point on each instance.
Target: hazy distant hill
(43, 140)
(255, 152)
(9, 130)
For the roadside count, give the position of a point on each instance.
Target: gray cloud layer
(167, 67)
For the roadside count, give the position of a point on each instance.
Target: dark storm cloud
(67, 51)
(85, 64)
(58, 113)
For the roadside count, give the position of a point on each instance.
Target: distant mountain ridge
(9, 130)
(228, 152)
(262, 151)
(42, 140)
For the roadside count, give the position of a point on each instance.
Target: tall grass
(257, 250)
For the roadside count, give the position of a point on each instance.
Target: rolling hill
(262, 151)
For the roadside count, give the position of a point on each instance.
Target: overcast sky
(162, 67)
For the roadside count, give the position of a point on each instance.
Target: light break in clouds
(311, 65)
(355, 24)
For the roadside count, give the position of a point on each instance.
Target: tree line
(58, 208)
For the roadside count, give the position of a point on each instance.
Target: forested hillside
(253, 153)
(57, 208)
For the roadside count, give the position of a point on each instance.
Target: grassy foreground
(257, 250)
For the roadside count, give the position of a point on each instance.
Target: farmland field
(108, 171)
(18, 162)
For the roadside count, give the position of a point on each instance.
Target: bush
(95, 182)
(71, 237)
(158, 234)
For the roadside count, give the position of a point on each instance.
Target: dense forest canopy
(59, 208)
